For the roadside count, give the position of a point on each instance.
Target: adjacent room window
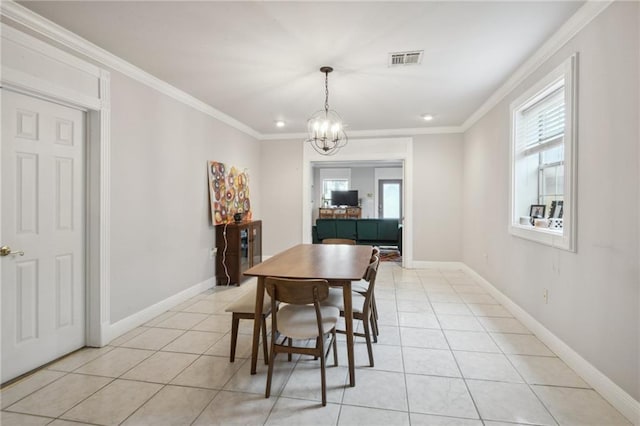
(543, 170)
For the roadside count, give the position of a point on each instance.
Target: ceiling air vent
(405, 58)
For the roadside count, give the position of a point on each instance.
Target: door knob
(6, 251)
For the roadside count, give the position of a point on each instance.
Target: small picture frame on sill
(556, 209)
(537, 211)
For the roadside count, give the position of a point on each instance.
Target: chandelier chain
(326, 92)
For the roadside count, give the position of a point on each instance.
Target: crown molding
(25, 17)
(31, 20)
(566, 32)
(372, 133)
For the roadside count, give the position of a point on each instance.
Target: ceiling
(259, 62)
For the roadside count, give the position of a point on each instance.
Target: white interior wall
(362, 180)
(594, 300)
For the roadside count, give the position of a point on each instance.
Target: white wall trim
(567, 31)
(112, 331)
(55, 32)
(371, 133)
(97, 160)
(613, 393)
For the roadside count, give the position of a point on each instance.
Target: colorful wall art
(228, 192)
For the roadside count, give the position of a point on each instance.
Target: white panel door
(43, 199)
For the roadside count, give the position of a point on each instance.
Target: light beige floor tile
(439, 286)
(487, 366)
(223, 346)
(444, 297)
(115, 363)
(244, 381)
(210, 372)
(114, 403)
(444, 396)
(459, 322)
(385, 358)
(478, 298)
(79, 358)
(450, 308)
(418, 419)
(510, 402)
(173, 405)
(194, 342)
(57, 397)
(411, 305)
(27, 385)
(460, 279)
(387, 317)
(423, 338)
(417, 319)
(503, 325)
(483, 310)
(377, 389)
(389, 335)
(182, 320)
(304, 382)
(289, 411)
(579, 407)
(521, 344)
(128, 336)
(492, 423)
(469, 289)
(546, 371)
(350, 416)
(16, 419)
(217, 323)
(435, 362)
(153, 339)
(476, 341)
(184, 305)
(60, 422)
(207, 307)
(161, 367)
(235, 408)
(157, 320)
(414, 295)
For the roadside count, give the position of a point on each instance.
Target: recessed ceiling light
(427, 117)
(280, 123)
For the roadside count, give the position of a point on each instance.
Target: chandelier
(326, 132)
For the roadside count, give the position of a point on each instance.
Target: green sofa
(375, 232)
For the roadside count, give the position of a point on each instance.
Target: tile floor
(448, 354)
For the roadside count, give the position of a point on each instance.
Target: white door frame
(382, 149)
(87, 87)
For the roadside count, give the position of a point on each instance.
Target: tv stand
(340, 213)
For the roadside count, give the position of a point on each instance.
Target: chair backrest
(297, 292)
(339, 241)
(372, 270)
(375, 252)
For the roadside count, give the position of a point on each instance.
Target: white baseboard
(610, 391)
(111, 331)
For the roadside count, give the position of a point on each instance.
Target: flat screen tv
(345, 198)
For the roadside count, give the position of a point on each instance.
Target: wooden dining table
(336, 263)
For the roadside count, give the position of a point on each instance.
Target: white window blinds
(542, 124)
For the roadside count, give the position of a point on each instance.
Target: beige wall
(437, 197)
(594, 293)
(161, 229)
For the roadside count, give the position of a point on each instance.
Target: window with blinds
(543, 144)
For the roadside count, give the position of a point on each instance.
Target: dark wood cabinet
(239, 248)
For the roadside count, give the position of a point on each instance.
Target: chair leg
(272, 357)
(323, 379)
(374, 328)
(335, 348)
(367, 335)
(264, 339)
(234, 337)
(290, 345)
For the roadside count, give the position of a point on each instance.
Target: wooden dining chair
(302, 318)
(244, 308)
(362, 309)
(361, 287)
(339, 241)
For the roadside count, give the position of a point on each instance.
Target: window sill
(550, 237)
